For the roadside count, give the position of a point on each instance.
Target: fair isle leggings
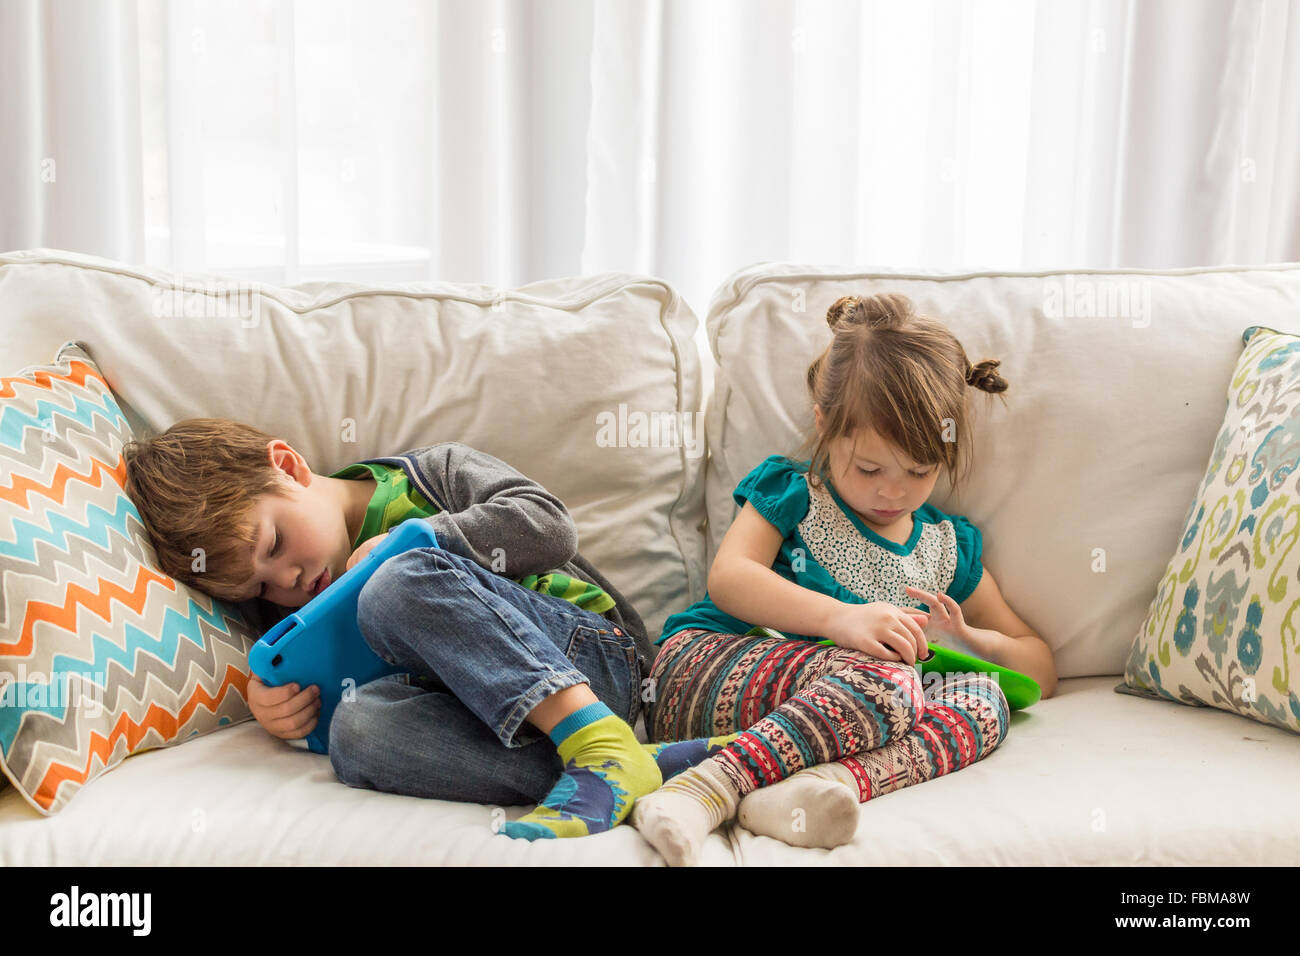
(800, 704)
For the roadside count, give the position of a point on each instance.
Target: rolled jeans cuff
(513, 732)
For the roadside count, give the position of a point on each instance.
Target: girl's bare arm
(743, 584)
(1005, 639)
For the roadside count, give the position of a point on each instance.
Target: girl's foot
(817, 807)
(678, 817)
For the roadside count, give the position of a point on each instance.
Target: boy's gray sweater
(489, 510)
(484, 504)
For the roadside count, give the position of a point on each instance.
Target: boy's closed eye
(275, 546)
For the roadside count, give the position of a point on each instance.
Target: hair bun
(887, 311)
(984, 376)
(843, 311)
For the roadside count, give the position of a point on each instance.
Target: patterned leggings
(803, 704)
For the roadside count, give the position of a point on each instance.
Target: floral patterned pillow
(101, 655)
(1222, 630)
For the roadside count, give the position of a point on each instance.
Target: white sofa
(1081, 486)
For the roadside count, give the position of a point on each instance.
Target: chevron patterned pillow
(101, 655)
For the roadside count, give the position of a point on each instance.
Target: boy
(494, 664)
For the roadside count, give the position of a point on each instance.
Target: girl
(842, 546)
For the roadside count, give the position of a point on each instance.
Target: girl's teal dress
(828, 548)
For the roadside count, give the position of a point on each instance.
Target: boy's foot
(605, 770)
(678, 817)
(817, 807)
(680, 755)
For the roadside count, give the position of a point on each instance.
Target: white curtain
(504, 142)
(70, 147)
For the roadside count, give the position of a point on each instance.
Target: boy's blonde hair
(903, 375)
(195, 486)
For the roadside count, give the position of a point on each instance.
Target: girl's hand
(882, 630)
(366, 547)
(945, 615)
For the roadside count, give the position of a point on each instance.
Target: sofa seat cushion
(1087, 777)
(1090, 777)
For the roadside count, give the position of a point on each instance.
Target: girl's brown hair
(901, 374)
(195, 486)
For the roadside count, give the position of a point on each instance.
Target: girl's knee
(910, 693)
(981, 696)
(894, 686)
(1000, 718)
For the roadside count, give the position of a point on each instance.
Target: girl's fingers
(929, 597)
(940, 603)
(951, 607)
(907, 652)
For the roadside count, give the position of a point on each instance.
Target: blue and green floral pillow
(1224, 628)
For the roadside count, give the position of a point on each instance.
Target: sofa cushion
(103, 655)
(1088, 777)
(1214, 633)
(591, 386)
(1081, 482)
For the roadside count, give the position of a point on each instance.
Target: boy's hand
(366, 547)
(285, 712)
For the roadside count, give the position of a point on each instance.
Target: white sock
(678, 817)
(816, 807)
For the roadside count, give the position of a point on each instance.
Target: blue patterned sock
(679, 755)
(605, 771)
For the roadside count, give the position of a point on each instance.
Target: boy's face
(298, 537)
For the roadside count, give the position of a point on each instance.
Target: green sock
(679, 755)
(605, 771)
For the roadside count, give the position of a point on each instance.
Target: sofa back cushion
(1081, 483)
(553, 378)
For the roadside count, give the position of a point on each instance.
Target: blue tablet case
(321, 644)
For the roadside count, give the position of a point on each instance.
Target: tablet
(321, 644)
(1020, 690)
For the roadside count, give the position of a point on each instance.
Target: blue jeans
(481, 652)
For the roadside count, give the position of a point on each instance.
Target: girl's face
(876, 480)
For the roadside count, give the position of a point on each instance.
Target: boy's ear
(283, 457)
